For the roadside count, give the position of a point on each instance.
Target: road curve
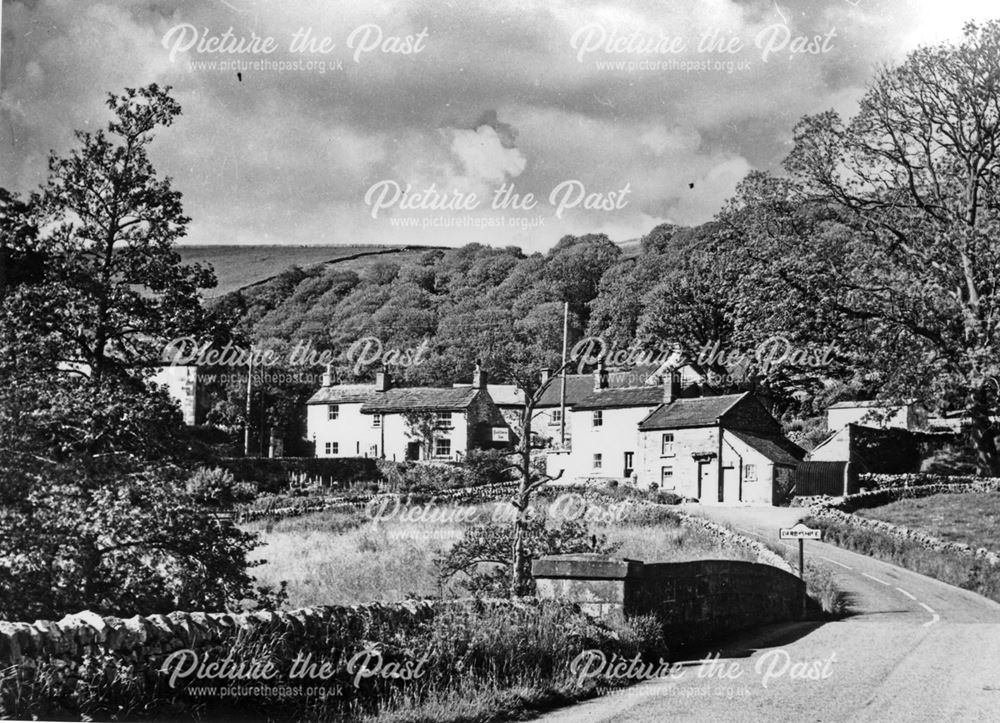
(912, 649)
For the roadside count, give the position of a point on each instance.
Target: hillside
(239, 266)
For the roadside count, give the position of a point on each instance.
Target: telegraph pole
(562, 391)
(246, 424)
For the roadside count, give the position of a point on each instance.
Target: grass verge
(950, 567)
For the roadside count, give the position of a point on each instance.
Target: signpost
(801, 533)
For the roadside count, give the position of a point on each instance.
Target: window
(332, 448)
(333, 411)
(667, 477)
(750, 472)
(555, 417)
(667, 445)
(598, 461)
(598, 418)
(442, 447)
(442, 419)
(376, 420)
(629, 464)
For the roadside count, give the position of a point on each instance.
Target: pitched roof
(870, 404)
(627, 397)
(577, 387)
(506, 395)
(777, 449)
(695, 412)
(420, 399)
(343, 394)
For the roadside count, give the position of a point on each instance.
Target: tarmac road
(913, 649)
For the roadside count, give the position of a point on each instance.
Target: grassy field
(972, 519)
(239, 266)
(330, 558)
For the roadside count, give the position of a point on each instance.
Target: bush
(138, 547)
(667, 498)
(215, 487)
(484, 554)
(433, 477)
(488, 466)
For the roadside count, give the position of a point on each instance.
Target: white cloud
(483, 156)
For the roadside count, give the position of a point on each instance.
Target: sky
(504, 122)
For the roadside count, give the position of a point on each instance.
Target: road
(912, 649)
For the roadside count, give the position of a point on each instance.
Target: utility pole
(246, 424)
(562, 391)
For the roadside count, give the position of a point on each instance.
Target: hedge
(273, 475)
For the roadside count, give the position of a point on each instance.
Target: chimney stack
(382, 380)
(600, 377)
(478, 378)
(546, 373)
(671, 386)
(328, 376)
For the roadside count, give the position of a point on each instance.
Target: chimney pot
(600, 377)
(382, 381)
(328, 376)
(478, 378)
(671, 386)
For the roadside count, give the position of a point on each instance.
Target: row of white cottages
(627, 427)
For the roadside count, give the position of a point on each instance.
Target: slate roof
(577, 387)
(694, 412)
(777, 449)
(628, 397)
(581, 386)
(420, 399)
(506, 395)
(343, 394)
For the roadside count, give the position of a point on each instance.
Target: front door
(413, 450)
(730, 485)
(629, 457)
(705, 480)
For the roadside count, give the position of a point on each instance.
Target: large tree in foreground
(914, 182)
(109, 222)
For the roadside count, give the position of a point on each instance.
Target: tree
(94, 513)
(112, 222)
(422, 426)
(530, 478)
(915, 177)
(484, 552)
(20, 260)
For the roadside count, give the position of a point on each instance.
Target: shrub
(488, 466)
(215, 487)
(138, 547)
(484, 554)
(667, 498)
(431, 477)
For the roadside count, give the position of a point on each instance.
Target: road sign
(799, 532)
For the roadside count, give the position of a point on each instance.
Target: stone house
(723, 449)
(404, 423)
(606, 420)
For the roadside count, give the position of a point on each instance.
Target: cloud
(497, 94)
(483, 155)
